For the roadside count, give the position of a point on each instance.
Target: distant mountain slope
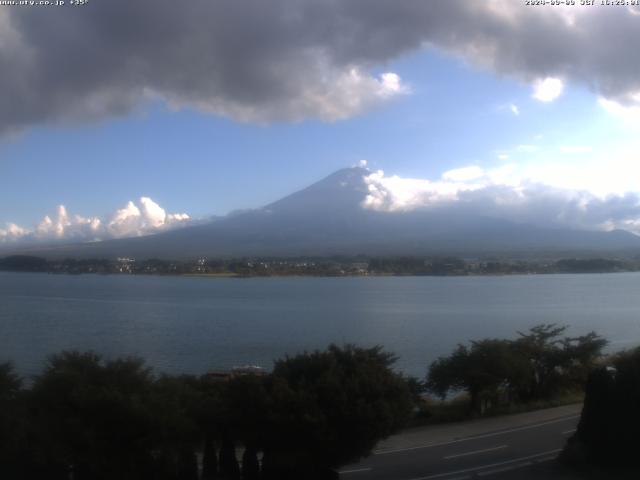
(327, 218)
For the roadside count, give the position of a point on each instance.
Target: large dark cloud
(285, 59)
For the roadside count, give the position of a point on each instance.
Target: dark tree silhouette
(610, 421)
(555, 363)
(481, 370)
(330, 408)
(537, 365)
(92, 416)
(12, 427)
(209, 460)
(229, 467)
(89, 418)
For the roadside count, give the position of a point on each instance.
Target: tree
(329, 408)
(581, 356)
(540, 346)
(608, 429)
(92, 417)
(12, 427)
(209, 459)
(482, 370)
(539, 364)
(212, 439)
(245, 411)
(176, 402)
(229, 468)
(555, 363)
(24, 263)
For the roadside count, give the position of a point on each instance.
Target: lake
(192, 324)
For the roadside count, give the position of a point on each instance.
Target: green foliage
(112, 419)
(10, 383)
(332, 407)
(98, 419)
(591, 265)
(556, 363)
(608, 429)
(12, 436)
(418, 266)
(23, 263)
(399, 265)
(456, 409)
(317, 266)
(92, 416)
(536, 366)
(175, 405)
(481, 369)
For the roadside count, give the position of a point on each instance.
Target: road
(475, 449)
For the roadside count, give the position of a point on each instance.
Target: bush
(607, 434)
(537, 366)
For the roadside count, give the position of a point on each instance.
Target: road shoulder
(451, 432)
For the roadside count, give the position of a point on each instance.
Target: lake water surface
(187, 324)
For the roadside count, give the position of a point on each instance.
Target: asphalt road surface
(475, 449)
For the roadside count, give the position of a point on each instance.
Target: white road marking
(475, 452)
(467, 439)
(567, 432)
(356, 470)
(504, 469)
(547, 459)
(489, 466)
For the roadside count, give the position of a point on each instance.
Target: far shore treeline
(87, 417)
(321, 266)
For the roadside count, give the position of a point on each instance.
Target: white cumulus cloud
(547, 89)
(12, 232)
(394, 193)
(548, 196)
(463, 174)
(132, 220)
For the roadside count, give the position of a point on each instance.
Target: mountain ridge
(328, 218)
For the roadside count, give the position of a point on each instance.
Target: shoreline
(301, 275)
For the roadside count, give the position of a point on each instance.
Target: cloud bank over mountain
(288, 60)
(132, 220)
(506, 193)
(545, 198)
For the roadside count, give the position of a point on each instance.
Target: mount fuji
(329, 218)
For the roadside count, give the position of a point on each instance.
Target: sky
(125, 118)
